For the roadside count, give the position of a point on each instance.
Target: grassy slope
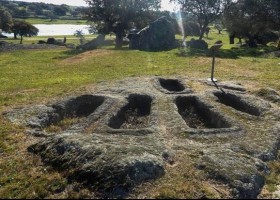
(31, 77)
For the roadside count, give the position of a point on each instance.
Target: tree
(119, 16)
(205, 11)
(23, 28)
(273, 15)
(79, 34)
(36, 8)
(6, 20)
(253, 20)
(22, 13)
(219, 28)
(60, 10)
(50, 15)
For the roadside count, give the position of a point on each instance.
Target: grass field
(40, 76)
(55, 21)
(71, 39)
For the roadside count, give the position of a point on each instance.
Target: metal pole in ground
(213, 67)
(213, 50)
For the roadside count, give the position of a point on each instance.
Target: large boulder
(197, 44)
(2, 43)
(51, 41)
(99, 40)
(41, 42)
(158, 36)
(54, 42)
(133, 39)
(3, 36)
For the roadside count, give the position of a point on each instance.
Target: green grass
(71, 39)
(44, 73)
(55, 21)
(39, 76)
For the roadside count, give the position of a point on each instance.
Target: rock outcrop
(158, 36)
(127, 133)
(94, 44)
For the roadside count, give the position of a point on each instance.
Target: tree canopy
(118, 16)
(20, 9)
(204, 11)
(253, 20)
(23, 28)
(6, 20)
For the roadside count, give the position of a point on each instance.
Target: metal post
(213, 50)
(213, 66)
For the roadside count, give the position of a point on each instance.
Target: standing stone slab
(158, 36)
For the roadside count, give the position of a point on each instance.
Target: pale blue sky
(165, 3)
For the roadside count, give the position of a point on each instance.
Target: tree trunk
(119, 40)
(21, 38)
(15, 36)
(278, 46)
(251, 41)
(201, 34)
(203, 29)
(119, 31)
(231, 39)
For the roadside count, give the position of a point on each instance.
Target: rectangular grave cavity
(237, 103)
(198, 115)
(81, 106)
(134, 115)
(172, 85)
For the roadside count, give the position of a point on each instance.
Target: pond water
(58, 29)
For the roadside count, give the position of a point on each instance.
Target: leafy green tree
(118, 16)
(60, 10)
(6, 20)
(36, 8)
(272, 15)
(205, 11)
(253, 19)
(50, 15)
(22, 13)
(23, 28)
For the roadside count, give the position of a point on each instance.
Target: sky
(165, 3)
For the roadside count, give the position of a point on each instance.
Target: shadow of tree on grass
(233, 53)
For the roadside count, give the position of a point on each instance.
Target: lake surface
(58, 29)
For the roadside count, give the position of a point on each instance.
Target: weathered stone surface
(54, 42)
(102, 160)
(42, 42)
(3, 36)
(51, 41)
(128, 131)
(241, 172)
(245, 103)
(226, 85)
(158, 36)
(133, 39)
(171, 86)
(94, 44)
(197, 44)
(34, 116)
(269, 94)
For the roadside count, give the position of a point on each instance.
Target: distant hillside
(19, 9)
